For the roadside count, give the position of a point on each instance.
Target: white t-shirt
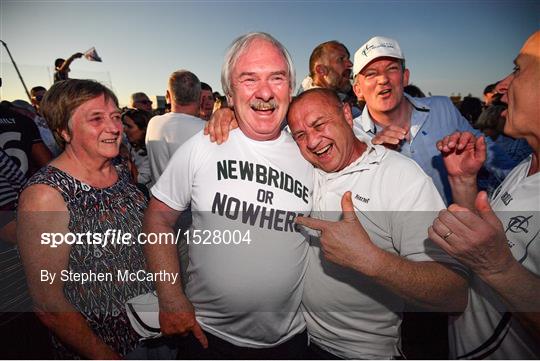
(247, 294)
(486, 329)
(165, 134)
(348, 314)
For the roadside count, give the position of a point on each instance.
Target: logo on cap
(376, 47)
(381, 45)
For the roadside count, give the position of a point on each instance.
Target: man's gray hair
(239, 46)
(184, 87)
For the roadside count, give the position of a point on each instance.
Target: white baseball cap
(376, 47)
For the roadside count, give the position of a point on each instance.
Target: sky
(451, 47)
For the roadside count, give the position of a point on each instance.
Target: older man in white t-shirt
(247, 261)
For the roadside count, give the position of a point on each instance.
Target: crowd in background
(483, 114)
(55, 146)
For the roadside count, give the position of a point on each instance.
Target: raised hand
(463, 153)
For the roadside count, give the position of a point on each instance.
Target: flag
(91, 54)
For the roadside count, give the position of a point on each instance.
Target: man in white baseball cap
(409, 125)
(377, 47)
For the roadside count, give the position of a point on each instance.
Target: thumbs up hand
(477, 240)
(345, 242)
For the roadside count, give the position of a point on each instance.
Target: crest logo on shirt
(518, 224)
(506, 198)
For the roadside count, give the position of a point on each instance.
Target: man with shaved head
(355, 294)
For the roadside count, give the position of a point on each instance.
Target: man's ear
(406, 75)
(347, 112)
(230, 102)
(321, 70)
(168, 97)
(357, 90)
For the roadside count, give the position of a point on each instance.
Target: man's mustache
(262, 105)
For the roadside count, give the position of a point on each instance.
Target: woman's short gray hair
(239, 46)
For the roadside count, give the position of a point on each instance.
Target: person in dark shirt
(20, 139)
(61, 67)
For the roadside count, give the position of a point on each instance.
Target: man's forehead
(298, 120)
(532, 46)
(335, 51)
(257, 51)
(530, 52)
(381, 61)
(314, 105)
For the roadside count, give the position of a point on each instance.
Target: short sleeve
(175, 184)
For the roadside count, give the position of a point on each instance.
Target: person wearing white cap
(409, 125)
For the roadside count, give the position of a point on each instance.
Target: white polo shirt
(348, 314)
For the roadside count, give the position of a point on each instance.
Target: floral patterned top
(119, 207)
